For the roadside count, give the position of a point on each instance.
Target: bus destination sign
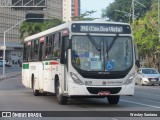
(101, 28)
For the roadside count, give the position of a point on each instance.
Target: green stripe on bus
(25, 66)
(46, 63)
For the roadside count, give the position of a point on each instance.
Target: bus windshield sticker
(95, 65)
(110, 65)
(84, 55)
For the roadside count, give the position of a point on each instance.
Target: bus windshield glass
(102, 53)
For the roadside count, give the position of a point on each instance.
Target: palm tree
(29, 28)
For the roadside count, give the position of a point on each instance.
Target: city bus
(92, 59)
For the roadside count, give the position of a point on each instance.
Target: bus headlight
(76, 79)
(130, 79)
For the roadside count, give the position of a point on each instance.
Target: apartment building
(71, 8)
(10, 17)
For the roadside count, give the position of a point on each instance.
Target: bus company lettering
(86, 28)
(33, 68)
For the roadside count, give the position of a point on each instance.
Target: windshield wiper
(93, 42)
(108, 48)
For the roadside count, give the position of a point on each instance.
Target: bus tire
(62, 100)
(141, 83)
(113, 99)
(35, 91)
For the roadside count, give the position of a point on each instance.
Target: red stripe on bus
(54, 63)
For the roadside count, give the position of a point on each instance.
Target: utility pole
(133, 8)
(133, 11)
(158, 23)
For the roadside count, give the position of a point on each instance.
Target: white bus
(81, 59)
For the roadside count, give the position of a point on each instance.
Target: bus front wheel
(61, 99)
(113, 99)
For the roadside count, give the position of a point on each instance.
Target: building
(71, 8)
(10, 17)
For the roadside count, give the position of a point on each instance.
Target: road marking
(149, 100)
(114, 119)
(148, 94)
(141, 104)
(147, 87)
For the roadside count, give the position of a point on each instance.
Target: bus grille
(95, 90)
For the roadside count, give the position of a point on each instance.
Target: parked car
(147, 76)
(7, 64)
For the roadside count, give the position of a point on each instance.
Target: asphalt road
(15, 97)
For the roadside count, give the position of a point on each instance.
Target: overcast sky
(96, 5)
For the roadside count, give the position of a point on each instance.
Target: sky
(96, 5)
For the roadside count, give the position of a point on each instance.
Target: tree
(146, 36)
(125, 5)
(51, 23)
(85, 16)
(30, 28)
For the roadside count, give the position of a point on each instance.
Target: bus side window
(25, 54)
(29, 51)
(35, 50)
(56, 46)
(48, 50)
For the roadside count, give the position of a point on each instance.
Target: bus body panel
(25, 75)
(47, 71)
(34, 74)
(79, 90)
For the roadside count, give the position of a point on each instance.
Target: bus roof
(68, 25)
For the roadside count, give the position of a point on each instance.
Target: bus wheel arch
(61, 99)
(35, 91)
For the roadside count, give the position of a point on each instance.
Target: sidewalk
(9, 75)
(10, 72)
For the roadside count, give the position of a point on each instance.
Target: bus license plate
(104, 93)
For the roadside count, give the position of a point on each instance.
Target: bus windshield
(102, 53)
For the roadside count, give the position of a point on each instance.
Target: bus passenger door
(64, 61)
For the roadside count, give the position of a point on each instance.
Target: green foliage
(85, 16)
(125, 5)
(30, 28)
(146, 35)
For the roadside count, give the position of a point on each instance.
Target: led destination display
(101, 28)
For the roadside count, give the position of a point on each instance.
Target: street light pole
(4, 45)
(133, 8)
(129, 14)
(4, 55)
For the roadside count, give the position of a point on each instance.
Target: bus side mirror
(137, 63)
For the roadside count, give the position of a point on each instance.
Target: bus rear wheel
(113, 99)
(61, 99)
